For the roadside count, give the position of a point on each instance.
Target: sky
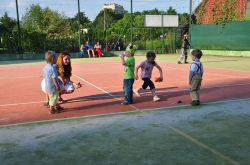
(92, 7)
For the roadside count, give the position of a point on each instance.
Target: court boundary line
(207, 73)
(209, 87)
(210, 67)
(36, 102)
(104, 91)
(16, 104)
(20, 77)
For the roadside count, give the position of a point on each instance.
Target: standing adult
(184, 47)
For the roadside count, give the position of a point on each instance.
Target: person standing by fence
(184, 47)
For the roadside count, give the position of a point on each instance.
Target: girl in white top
(147, 67)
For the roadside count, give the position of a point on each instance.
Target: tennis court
(97, 129)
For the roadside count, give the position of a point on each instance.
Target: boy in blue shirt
(195, 77)
(51, 82)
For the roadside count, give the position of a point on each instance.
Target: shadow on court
(112, 95)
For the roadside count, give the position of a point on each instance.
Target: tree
(8, 32)
(45, 21)
(54, 30)
(33, 18)
(84, 21)
(111, 18)
(171, 11)
(8, 22)
(184, 19)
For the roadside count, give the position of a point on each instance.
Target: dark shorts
(148, 82)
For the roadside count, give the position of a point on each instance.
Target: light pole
(105, 31)
(19, 30)
(79, 26)
(190, 19)
(131, 21)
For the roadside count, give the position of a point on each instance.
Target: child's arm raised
(122, 58)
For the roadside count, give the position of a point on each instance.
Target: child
(129, 67)
(82, 50)
(51, 82)
(46, 103)
(147, 67)
(195, 77)
(184, 47)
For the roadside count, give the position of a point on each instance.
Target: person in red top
(98, 49)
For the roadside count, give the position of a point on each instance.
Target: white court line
(6, 78)
(106, 92)
(14, 104)
(211, 87)
(217, 74)
(83, 99)
(116, 96)
(206, 79)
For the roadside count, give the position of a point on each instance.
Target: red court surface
(21, 98)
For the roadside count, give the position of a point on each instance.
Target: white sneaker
(156, 98)
(136, 91)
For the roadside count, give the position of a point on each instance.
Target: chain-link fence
(43, 28)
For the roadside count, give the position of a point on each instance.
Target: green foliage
(201, 12)
(35, 41)
(222, 12)
(45, 21)
(7, 22)
(111, 18)
(171, 11)
(85, 23)
(247, 17)
(184, 19)
(54, 30)
(44, 29)
(8, 34)
(227, 12)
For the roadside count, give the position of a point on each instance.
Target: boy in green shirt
(129, 67)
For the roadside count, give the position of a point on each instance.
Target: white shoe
(156, 98)
(136, 91)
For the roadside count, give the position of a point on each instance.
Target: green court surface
(235, 63)
(212, 134)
